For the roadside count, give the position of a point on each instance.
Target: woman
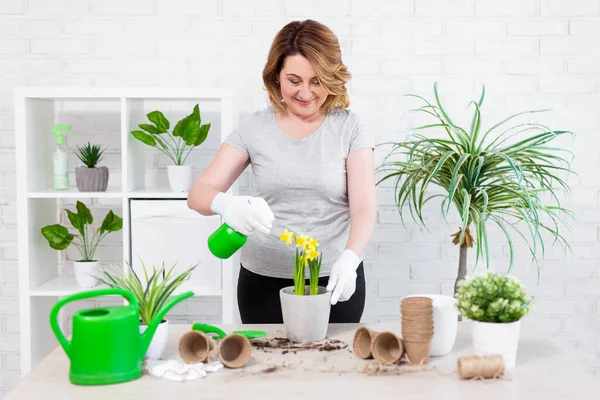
(314, 174)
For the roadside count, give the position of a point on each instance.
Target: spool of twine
(480, 367)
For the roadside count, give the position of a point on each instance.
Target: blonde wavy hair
(320, 46)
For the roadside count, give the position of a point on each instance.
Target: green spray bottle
(60, 163)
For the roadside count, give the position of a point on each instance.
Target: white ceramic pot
(445, 323)
(305, 318)
(181, 177)
(159, 340)
(497, 338)
(86, 273)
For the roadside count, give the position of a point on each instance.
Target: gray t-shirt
(304, 183)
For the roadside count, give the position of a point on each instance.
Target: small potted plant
(89, 177)
(60, 238)
(177, 145)
(305, 308)
(495, 303)
(152, 292)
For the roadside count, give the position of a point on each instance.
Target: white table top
(542, 369)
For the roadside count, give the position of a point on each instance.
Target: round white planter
(445, 323)
(181, 177)
(497, 338)
(86, 273)
(159, 340)
(305, 318)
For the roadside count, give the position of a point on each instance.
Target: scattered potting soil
(287, 345)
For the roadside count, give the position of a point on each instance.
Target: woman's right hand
(244, 214)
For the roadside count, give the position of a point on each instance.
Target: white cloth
(179, 371)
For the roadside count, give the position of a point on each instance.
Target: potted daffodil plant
(305, 308)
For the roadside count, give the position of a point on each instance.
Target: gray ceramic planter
(305, 318)
(91, 179)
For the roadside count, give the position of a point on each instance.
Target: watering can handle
(66, 345)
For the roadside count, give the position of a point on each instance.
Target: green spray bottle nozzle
(60, 131)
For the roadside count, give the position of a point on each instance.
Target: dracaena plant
(59, 237)
(307, 256)
(90, 155)
(151, 290)
(177, 144)
(508, 174)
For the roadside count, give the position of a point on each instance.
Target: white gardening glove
(342, 279)
(244, 214)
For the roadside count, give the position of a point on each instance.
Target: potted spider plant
(305, 308)
(507, 174)
(152, 291)
(59, 238)
(495, 304)
(187, 134)
(89, 177)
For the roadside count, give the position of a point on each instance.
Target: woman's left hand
(342, 280)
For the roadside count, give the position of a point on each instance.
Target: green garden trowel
(220, 334)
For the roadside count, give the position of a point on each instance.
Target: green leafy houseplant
(493, 297)
(307, 255)
(188, 133)
(152, 292)
(499, 175)
(90, 155)
(59, 237)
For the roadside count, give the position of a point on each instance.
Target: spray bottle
(225, 241)
(59, 158)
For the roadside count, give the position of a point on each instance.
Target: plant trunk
(462, 269)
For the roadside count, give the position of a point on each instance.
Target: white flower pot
(305, 318)
(159, 340)
(181, 177)
(497, 338)
(86, 273)
(445, 323)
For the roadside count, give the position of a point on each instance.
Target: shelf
(73, 193)
(156, 193)
(61, 285)
(64, 285)
(83, 93)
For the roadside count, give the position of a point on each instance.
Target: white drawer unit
(167, 231)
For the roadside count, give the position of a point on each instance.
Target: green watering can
(107, 346)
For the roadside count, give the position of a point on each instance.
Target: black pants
(259, 303)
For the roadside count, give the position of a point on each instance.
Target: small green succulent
(90, 155)
(492, 297)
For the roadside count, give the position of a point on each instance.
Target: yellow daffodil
(301, 241)
(313, 243)
(286, 236)
(311, 255)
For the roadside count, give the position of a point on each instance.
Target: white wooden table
(543, 371)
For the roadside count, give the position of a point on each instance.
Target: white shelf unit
(41, 282)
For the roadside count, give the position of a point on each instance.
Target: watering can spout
(149, 332)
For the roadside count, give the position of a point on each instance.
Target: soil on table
(288, 345)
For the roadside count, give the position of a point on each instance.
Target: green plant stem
(186, 156)
(163, 148)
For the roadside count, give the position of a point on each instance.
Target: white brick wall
(529, 53)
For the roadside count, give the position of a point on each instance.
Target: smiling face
(300, 88)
